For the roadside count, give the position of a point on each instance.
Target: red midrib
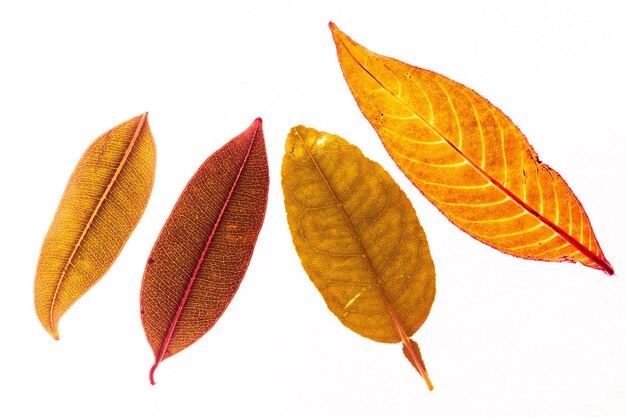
(192, 279)
(600, 262)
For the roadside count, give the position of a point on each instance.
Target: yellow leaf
(358, 238)
(102, 203)
(469, 159)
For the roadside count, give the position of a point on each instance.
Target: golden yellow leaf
(102, 203)
(469, 159)
(358, 238)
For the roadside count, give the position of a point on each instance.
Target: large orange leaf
(204, 248)
(102, 203)
(359, 239)
(469, 159)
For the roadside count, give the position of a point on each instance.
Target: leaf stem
(152, 372)
(406, 341)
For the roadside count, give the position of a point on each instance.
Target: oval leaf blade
(102, 203)
(469, 159)
(205, 246)
(358, 238)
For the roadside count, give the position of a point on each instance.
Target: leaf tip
(258, 121)
(336, 32)
(608, 268)
(52, 330)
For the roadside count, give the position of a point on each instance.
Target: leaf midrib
(603, 264)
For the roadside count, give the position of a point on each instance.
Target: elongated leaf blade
(359, 239)
(469, 159)
(102, 203)
(204, 248)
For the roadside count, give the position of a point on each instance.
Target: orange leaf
(102, 203)
(204, 248)
(469, 159)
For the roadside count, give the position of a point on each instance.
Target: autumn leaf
(469, 159)
(359, 239)
(204, 248)
(102, 203)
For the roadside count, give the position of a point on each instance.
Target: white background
(505, 337)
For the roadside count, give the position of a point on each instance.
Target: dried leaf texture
(204, 248)
(469, 159)
(359, 239)
(102, 203)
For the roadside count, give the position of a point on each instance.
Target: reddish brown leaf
(204, 248)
